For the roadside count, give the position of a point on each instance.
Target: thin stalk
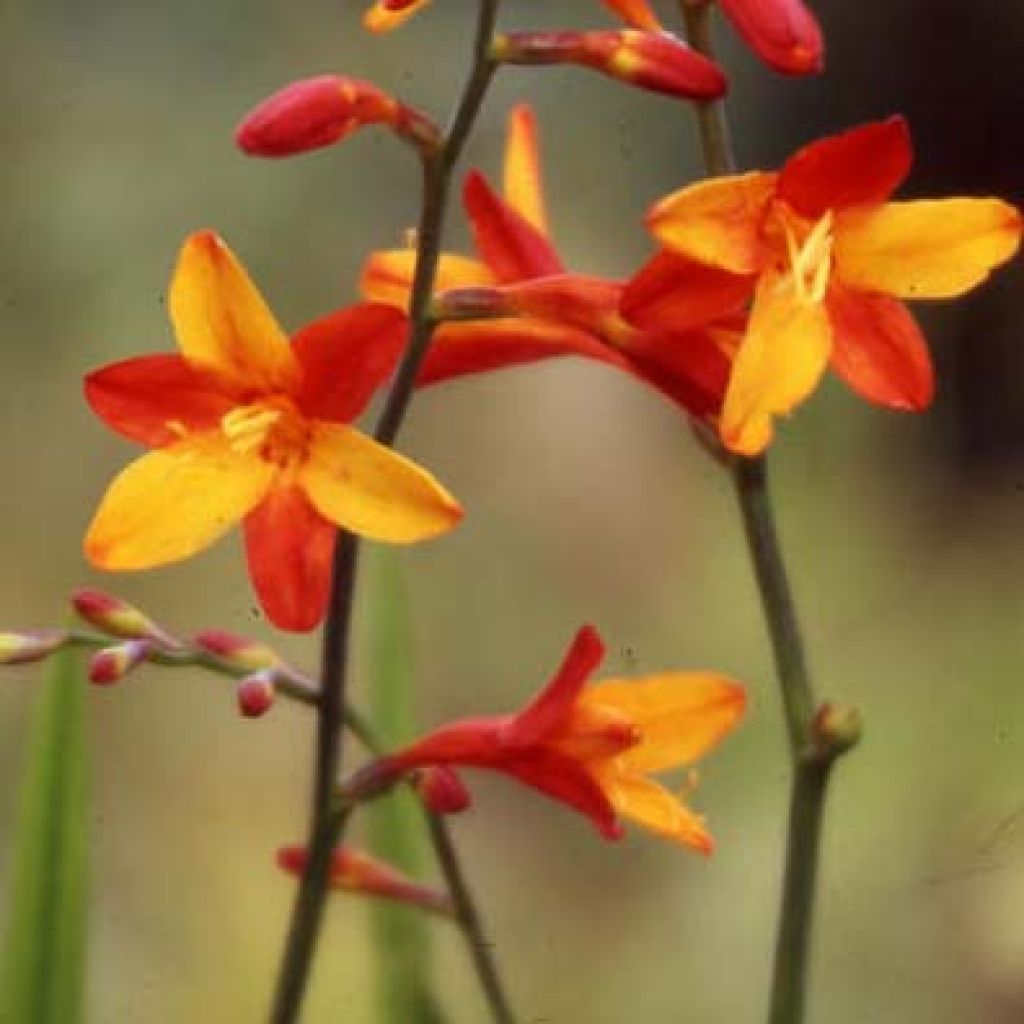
(817, 734)
(326, 825)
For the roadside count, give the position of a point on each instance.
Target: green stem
(326, 827)
(817, 734)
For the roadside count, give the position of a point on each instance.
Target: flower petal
(387, 275)
(222, 323)
(289, 547)
(636, 13)
(384, 16)
(345, 356)
(928, 249)
(367, 488)
(155, 399)
(785, 350)
(522, 185)
(510, 245)
(878, 349)
(680, 714)
(717, 221)
(860, 167)
(650, 804)
(174, 502)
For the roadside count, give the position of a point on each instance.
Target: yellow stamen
(810, 262)
(247, 426)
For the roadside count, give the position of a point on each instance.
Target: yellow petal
(522, 181)
(222, 323)
(784, 352)
(929, 249)
(717, 221)
(680, 715)
(387, 275)
(174, 502)
(367, 488)
(650, 804)
(379, 19)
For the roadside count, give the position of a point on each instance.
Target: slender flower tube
(683, 350)
(828, 259)
(246, 426)
(593, 748)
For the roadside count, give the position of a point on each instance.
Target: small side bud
(112, 664)
(655, 61)
(442, 791)
(33, 645)
(238, 652)
(318, 112)
(256, 693)
(835, 729)
(115, 616)
(783, 33)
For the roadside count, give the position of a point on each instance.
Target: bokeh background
(588, 501)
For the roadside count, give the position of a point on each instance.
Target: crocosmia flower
(548, 312)
(828, 260)
(595, 747)
(247, 426)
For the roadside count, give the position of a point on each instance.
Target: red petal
(155, 399)
(507, 242)
(289, 546)
(554, 703)
(878, 349)
(860, 167)
(676, 293)
(783, 33)
(345, 357)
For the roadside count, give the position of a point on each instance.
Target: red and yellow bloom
(827, 259)
(246, 426)
(593, 748)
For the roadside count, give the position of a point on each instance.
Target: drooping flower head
(827, 259)
(247, 426)
(595, 747)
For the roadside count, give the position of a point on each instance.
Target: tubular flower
(247, 426)
(827, 259)
(594, 747)
(548, 312)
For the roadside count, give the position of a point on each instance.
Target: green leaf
(43, 970)
(395, 823)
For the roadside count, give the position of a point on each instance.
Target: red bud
(112, 664)
(117, 617)
(783, 33)
(238, 652)
(442, 791)
(256, 693)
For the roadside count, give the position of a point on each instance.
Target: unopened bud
(655, 61)
(321, 111)
(33, 645)
(836, 728)
(117, 617)
(442, 791)
(256, 693)
(237, 652)
(783, 33)
(112, 664)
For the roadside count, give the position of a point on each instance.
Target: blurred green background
(587, 500)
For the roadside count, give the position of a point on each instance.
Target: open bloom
(247, 426)
(828, 259)
(549, 312)
(593, 748)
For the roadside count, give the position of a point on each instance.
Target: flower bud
(115, 616)
(256, 693)
(321, 111)
(835, 728)
(783, 33)
(655, 61)
(356, 872)
(237, 652)
(442, 791)
(34, 645)
(112, 664)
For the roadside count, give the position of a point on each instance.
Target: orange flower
(549, 312)
(246, 426)
(592, 748)
(827, 260)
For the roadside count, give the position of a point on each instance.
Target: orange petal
(387, 275)
(928, 249)
(650, 804)
(383, 17)
(222, 323)
(878, 349)
(636, 13)
(522, 184)
(717, 221)
(367, 488)
(289, 547)
(174, 502)
(785, 350)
